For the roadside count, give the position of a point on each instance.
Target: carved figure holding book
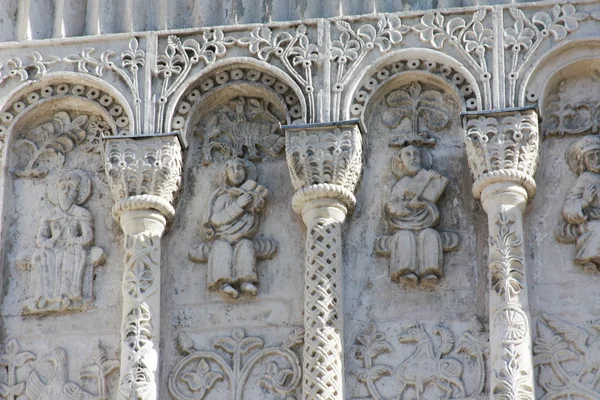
(415, 248)
(230, 225)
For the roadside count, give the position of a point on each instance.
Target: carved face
(236, 172)
(592, 160)
(67, 192)
(411, 158)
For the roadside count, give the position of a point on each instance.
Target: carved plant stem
(503, 153)
(144, 176)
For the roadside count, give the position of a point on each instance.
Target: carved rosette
(503, 147)
(144, 175)
(325, 162)
(503, 153)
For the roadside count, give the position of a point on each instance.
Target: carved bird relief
(58, 385)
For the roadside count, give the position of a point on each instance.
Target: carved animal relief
(416, 248)
(568, 358)
(244, 125)
(581, 211)
(438, 367)
(48, 377)
(60, 270)
(230, 225)
(232, 361)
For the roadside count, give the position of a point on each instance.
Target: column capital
(144, 172)
(325, 163)
(502, 146)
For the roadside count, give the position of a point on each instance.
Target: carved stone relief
(568, 358)
(53, 140)
(416, 248)
(48, 377)
(245, 124)
(438, 366)
(581, 210)
(60, 271)
(230, 225)
(232, 361)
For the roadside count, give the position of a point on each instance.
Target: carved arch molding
(206, 120)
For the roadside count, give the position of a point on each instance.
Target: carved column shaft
(325, 164)
(144, 176)
(503, 155)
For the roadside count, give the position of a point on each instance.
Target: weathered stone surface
(298, 200)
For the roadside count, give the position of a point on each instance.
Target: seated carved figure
(415, 249)
(581, 210)
(230, 226)
(62, 265)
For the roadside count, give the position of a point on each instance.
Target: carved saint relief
(230, 225)
(61, 267)
(581, 211)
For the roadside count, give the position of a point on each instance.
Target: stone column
(325, 162)
(144, 174)
(503, 152)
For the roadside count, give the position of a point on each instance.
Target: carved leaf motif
(506, 263)
(513, 380)
(138, 331)
(203, 379)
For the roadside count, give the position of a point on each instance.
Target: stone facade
(254, 200)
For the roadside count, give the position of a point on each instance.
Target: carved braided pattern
(323, 363)
(144, 202)
(504, 175)
(323, 191)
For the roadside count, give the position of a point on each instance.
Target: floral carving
(175, 64)
(568, 358)
(507, 269)
(13, 359)
(99, 369)
(565, 117)
(471, 39)
(525, 36)
(513, 380)
(141, 261)
(232, 360)
(453, 371)
(55, 139)
(294, 50)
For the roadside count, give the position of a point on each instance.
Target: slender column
(144, 175)
(325, 164)
(503, 153)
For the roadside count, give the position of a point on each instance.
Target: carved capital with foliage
(144, 173)
(503, 147)
(325, 162)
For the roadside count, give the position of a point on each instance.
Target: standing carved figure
(62, 265)
(581, 210)
(230, 226)
(416, 248)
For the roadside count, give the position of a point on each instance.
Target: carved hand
(589, 194)
(417, 203)
(244, 200)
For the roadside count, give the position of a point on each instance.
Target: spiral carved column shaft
(325, 161)
(503, 155)
(144, 176)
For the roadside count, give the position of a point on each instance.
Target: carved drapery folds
(325, 162)
(144, 176)
(503, 155)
